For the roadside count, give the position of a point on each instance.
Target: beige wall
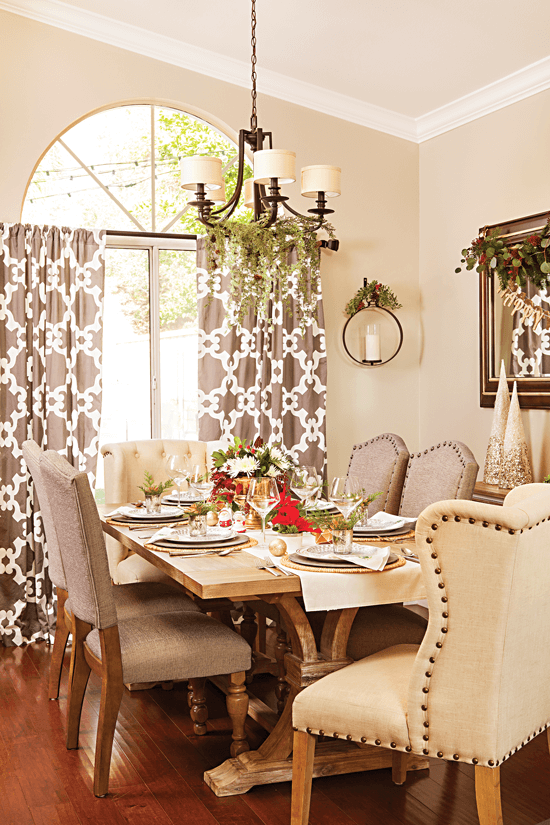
(52, 77)
(491, 170)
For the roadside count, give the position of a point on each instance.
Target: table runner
(333, 591)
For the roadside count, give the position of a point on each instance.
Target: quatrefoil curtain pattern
(51, 301)
(266, 379)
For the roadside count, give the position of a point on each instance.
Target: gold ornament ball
(211, 519)
(277, 547)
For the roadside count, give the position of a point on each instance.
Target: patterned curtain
(531, 344)
(262, 379)
(51, 300)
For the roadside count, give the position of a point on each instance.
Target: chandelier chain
(254, 118)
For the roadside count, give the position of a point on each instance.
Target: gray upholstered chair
(476, 689)
(124, 466)
(131, 600)
(444, 471)
(168, 646)
(381, 464)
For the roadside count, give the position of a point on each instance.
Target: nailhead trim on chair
(455, 447)
(382, 437)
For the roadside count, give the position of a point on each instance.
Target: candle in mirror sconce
(372, 345)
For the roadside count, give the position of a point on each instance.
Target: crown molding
(504, 92)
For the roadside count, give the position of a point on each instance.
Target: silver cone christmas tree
(516, 468)
(493, 459)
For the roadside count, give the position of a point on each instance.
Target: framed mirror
(524, 347)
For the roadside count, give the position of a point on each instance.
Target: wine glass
(305, 483)
(178, 469)
(346, 494)
(263, 495)
(201, 482)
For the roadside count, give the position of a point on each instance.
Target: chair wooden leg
(280, 650)
(199, 710)
(302, 774)
(62, 633)
(78, 679)
(112, 688)
(487, 781)
(237, 708)
(399, 767)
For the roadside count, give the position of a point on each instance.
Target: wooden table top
(209, 577)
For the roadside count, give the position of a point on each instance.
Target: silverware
(152, 524)
(266, 564)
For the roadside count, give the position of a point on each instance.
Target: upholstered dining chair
(445, 471)
(381, 464)
(168, 646)
(476, 689)
(131, 600)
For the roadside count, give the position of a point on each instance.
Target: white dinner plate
(213, 535)
(323, 551)
(380, 527)
(322, 505)
(173, 499)
(141, 512)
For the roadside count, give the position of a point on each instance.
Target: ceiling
(410, 67)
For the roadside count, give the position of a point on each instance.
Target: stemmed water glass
(201, 482)
(263, 495)
(178, 469)
(346, 494)
(305, 483)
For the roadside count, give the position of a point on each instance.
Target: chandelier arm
(233, 201)
(305, 217)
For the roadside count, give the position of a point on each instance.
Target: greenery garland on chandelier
(514, 265)
(257, 258)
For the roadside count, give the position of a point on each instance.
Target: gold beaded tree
(516, 468)
(493, 459)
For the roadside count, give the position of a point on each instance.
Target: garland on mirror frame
(515, 265)
(257, 257)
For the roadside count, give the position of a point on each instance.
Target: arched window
(118, 169)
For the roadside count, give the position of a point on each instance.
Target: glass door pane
(178, 343)
(126, 407)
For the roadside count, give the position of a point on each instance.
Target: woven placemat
(193, 552)
(385, 539)
(307, 569)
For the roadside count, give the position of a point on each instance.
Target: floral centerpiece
(239, 462)
(290, 517)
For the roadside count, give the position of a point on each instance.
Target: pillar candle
(372, 343)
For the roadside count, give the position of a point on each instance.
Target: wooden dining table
(236, 577)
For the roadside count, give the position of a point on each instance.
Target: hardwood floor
(158, 763)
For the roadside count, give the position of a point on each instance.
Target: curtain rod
(168, 235)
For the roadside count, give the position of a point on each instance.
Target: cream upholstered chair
(444, 471)
(381, 464)
(124, 466)
(149, 648)
(131, 600)
(476, 689)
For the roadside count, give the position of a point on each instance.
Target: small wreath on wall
(371, 293)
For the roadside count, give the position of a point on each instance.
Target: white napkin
(376, 562)
(161, 534)
(125, 510)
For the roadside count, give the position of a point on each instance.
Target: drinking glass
(178, 469)
(305, 483)
(263, 495)
(201, 482)
(346, 494)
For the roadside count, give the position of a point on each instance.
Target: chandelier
(273, 168)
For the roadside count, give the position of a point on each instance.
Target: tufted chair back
(126, 462)
(381, 464)
(444, 471)
(481, 674)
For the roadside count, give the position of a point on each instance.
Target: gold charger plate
(199, 551)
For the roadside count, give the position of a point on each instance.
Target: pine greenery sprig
(151, 489)
(258, 259)
(373, 292)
